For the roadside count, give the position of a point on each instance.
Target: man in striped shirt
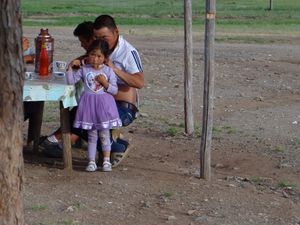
(125, 62)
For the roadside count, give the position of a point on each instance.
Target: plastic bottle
(45, 37)
(44, 61)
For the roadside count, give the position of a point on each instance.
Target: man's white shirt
(126, 58)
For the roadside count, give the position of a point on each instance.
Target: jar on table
(43, 37)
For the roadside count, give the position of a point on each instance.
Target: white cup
(59, 66)
(27, 75)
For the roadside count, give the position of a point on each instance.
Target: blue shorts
(127, 112)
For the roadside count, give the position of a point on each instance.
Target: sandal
(117, 157)
(92, 167)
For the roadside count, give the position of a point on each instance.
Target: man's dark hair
(100, 44)
(105, 21)
(85, 30)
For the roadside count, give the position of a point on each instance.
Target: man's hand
(135, 80)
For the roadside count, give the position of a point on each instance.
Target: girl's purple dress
(97, 108)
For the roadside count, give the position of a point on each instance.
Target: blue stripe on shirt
(137, 60)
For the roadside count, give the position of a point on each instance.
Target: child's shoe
(106, 166)
(92, 167)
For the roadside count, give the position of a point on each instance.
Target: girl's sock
(106, 159)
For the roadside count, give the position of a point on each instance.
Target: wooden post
(65, 129)
(188, 68)
(208, 94)
(270, 4)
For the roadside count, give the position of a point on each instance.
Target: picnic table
(49, 88)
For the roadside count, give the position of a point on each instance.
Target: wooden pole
(188, 68)
(65, 129)
(208, 93)
(270, 4)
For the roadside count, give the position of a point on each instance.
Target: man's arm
(135, 80)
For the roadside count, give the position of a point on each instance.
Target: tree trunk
(11, 114)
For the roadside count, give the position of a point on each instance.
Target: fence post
(188, 68)
(208, 92)
(270, 4)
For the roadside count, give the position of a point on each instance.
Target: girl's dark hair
(100, 44)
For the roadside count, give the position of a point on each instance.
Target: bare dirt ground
(255, 148)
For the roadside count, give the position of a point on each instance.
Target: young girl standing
(97, 110)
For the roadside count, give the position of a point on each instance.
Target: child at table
(97, 110)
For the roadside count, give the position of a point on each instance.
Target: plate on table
(59, 74)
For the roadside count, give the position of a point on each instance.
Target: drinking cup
(59, 66)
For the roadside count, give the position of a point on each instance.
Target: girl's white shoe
(106, 166)
(92, 167)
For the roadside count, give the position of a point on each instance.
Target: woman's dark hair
(105, 21)
(85, 30)
(99, 44)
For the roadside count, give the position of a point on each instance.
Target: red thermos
(44, 61)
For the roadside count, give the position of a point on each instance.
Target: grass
(244, 39)
(226, 129)
(168, 194)
(279, 148)
(230, 130)
(257, 180)
(231, 14)
(261, 183)
(78, 205)
(39, 207)
(172, 131)
(285, 184)
(68, 221)
(297, 141)
(217, 130)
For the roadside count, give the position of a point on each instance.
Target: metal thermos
(43, 37)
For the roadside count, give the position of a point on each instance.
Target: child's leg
(105, 142)
(106, 147)
(92, 144)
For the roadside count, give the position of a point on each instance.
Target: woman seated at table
(28, 54)
(30, 108)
